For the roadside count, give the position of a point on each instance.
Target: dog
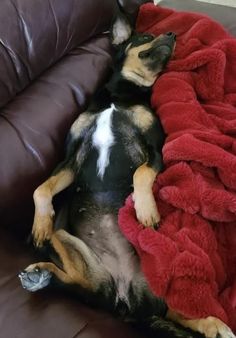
(113, 149)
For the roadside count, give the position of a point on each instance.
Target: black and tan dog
(114, 148)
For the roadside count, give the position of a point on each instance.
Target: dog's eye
(146, 38)
(141, 39)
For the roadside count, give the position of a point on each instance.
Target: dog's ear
(121, 30)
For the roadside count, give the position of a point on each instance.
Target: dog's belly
(95, 222)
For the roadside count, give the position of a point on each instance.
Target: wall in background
(230, 3)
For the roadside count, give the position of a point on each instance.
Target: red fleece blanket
(191, 259)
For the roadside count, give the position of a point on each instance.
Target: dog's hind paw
(35, 279)
(211, 327)
(214, 328)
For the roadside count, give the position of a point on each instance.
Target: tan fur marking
(51, 267)
(44, 212)
(142, 117)
(74, 268)
(134, 68)
(209, 326)
(79, 252)
(72, 260)
(144, 202)
(82, 122)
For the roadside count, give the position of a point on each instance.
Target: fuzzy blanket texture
(191, 260)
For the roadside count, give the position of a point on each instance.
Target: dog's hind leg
(80, 266)
(44, 212)
(211, 327)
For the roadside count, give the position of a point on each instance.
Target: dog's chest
(115, 126)
(103, 138)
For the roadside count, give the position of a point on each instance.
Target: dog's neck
(126, 92)
(120, 91)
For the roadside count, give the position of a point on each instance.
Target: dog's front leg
(44, 212)
(144, 201)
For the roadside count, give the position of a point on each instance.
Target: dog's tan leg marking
(43, 195)
(141, 117)
(72, 260)
(77, 257)
(210, 326)
(74, 268)
(51, 267)
(83, 121)
(144, 202)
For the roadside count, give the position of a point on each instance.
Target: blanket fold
(191, 259)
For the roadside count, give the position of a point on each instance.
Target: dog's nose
(171, 35)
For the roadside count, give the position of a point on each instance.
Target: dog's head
(140, 56)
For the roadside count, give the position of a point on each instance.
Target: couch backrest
(34, 34)
(52, 47)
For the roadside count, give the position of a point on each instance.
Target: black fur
(92, 198)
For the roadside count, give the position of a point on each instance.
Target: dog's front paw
(213, 327)
(42, 229)
(146, 210)
(34, 278)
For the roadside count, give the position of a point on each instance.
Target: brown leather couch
(53, 55)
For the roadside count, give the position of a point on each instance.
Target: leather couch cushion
(32, 131)
(39, 33)
(47, 50)
(49, 313)
(223, 14)
(33, 126)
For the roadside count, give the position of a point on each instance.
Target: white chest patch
(103, 139)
